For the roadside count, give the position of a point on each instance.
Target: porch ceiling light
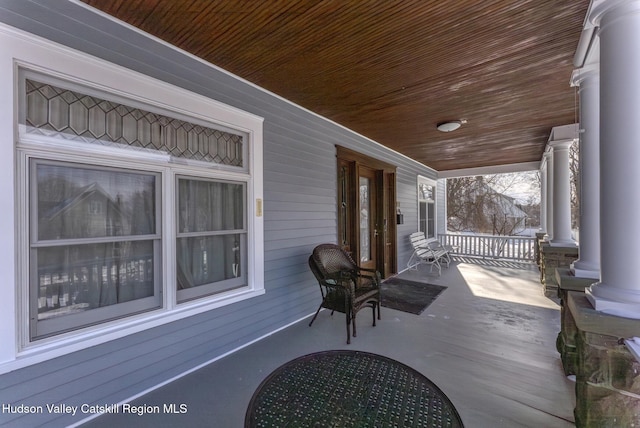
(449, 126)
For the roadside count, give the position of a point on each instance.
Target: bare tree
(574, 176)
(480, 204)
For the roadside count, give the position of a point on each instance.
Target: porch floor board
(488, 341)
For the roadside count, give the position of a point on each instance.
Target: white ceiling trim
(495, 169)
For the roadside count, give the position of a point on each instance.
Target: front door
(366, 211)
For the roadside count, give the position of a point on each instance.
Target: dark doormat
(408, 296)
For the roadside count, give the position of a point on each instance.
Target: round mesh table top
(349, 389)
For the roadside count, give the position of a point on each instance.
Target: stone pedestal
(566, 341)
(607, 374)
(552, 258)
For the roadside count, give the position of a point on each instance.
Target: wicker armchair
(345, 287)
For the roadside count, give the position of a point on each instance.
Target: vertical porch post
(549, 161)
(543, 195)
(618, 292)
(561, 193)
(588, 265)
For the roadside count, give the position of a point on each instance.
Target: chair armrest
(372, 271)
(375, 279)
(435, 245)
(337, 280)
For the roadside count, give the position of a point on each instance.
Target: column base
(563, 243)
(585, 273)
(585, 269)
(612, 307)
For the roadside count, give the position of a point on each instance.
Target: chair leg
(348, 327)
(353, 322)
(317, 312)
(373, 312)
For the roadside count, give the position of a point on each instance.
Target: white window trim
(21, 49)
(431, 182)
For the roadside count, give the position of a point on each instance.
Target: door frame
(349, 163)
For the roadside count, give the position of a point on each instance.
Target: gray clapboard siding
(299, 213)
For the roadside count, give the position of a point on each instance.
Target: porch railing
(491, 246)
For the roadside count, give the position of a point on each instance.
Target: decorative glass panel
(62, 112)
(365, 206)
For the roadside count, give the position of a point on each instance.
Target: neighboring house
(211, 195)
(90, 211)
(479, 208)
(74, 279)
(509, 209)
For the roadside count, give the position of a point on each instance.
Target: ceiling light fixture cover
(449, 126)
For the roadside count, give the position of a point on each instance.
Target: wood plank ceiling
(392, 70)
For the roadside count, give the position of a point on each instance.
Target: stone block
(605, 408)
(625, 371)
(566, 342)
(607, 374)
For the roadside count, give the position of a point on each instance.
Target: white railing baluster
(505, 247)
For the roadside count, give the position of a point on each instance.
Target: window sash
(426, 207)
(70, 293)
(229, 263)
(42, 327)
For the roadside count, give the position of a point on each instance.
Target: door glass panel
(365, 242)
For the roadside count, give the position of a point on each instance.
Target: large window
(131, 208)
(426, 207)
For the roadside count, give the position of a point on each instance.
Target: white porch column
(549, 195)
(543, 195)
(588, 265)
(561, 194)
(618, 291)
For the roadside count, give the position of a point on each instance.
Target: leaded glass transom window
(52, 110)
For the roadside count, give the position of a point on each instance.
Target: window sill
(47, 349)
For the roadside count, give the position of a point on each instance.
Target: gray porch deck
(488, 342)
